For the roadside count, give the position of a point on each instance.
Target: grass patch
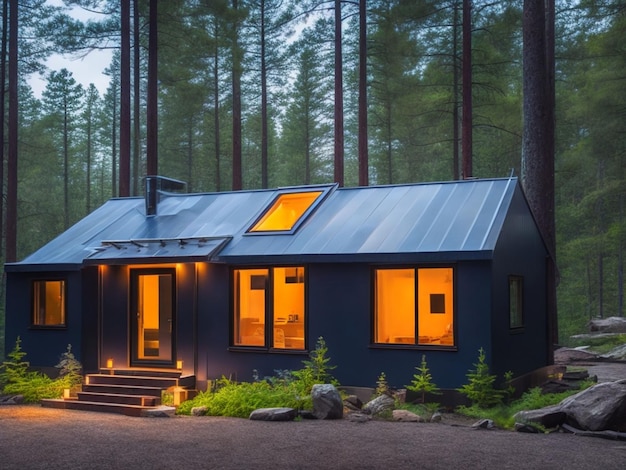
(503, 415)
(600, 345)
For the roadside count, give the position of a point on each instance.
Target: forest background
(285, 50)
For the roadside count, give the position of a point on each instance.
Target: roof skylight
(286, 211)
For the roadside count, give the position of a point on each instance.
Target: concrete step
(128, 410)
(132, 380)
(141, 400)
(123, 389)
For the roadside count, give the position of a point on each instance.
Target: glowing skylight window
(285, 212)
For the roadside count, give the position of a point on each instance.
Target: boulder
(379, 405)
(12, 400)
(598, 408)
(608, 325)
(618, 353)
(549, 417)
(353, 402)
(327, 403)
(159, 412)
(274, 414)
(483, 424)
(406, 415)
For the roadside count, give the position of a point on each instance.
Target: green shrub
(34, 386)
(503, 415)
(290, 389)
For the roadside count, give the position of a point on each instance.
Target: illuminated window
(285, 212)
(516, 317)
(269, 308)
(49, 303)
(402, 317)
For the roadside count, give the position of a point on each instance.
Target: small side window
(49, 303)
(516, 305)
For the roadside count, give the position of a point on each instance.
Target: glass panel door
(153, 311)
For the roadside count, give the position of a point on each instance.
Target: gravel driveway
(32, 437)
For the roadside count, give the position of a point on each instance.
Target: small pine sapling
(382, 387)
(480, 388)
(423, 381)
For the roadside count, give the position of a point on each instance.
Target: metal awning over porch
(150, 251)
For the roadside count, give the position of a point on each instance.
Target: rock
(359, 417)
(307, 414)
(618, 353)
(11, 400)
(379, 405)
(549, 417)
(568, 355)
(327, 403)
(483, 424)
(407, 416)
(159, 412)
(436, 417)
(198, 411)
(353, 402)
(274, 414)
(527, 428)
(608, 325)
(598, 408)
(556, 386)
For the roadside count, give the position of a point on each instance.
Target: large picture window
(269, 307)
(414, 306)
(49, 303)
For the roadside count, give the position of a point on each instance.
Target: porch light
(179, 364)
(110, 363)
(180, 395)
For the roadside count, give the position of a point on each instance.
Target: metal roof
(429, 221)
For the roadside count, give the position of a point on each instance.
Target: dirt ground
(32, 437)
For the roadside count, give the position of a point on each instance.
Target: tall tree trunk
(88, 162)
(125, 99)
(216, 111)
(264, 139)
(467, 90)
(136, 100)
(456, 174)
(66, 168)
(152, 104)
(3, 69)
(363, 138)
(236, 83)
(338, 117)
(538, 137)
(11, 229)
(114, 143)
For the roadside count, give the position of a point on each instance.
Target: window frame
(519, 303)
(323, 192)
(416, 345)
(33, 304)
(270, 324)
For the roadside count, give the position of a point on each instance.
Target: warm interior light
(286, 211)
(110, 363)
(179, 364)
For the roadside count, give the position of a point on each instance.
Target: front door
(152, 316)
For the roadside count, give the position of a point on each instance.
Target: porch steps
(131, 392)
